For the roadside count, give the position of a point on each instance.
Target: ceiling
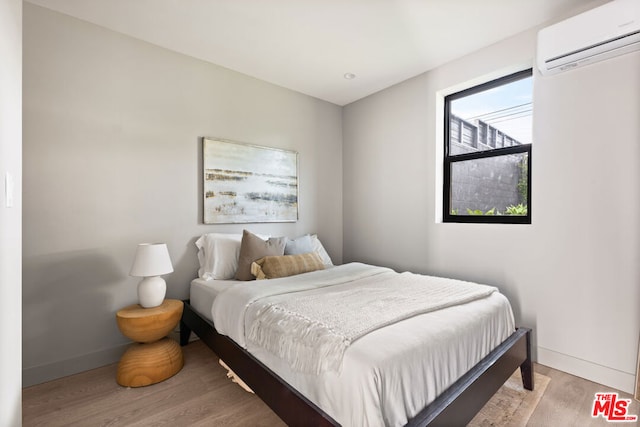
(309, 45)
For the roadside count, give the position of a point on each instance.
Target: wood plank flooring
(568, 402)
(201, 395)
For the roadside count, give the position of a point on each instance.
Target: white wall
(10, 217)
(573, 274)
(112, 158)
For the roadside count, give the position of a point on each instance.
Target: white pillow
(299, 245)
(218, 255)
(317, 247)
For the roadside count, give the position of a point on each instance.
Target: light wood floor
(568, 402)
(201, 395)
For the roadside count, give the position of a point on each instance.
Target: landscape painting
(246, 183)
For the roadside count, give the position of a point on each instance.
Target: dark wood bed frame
(456, 406)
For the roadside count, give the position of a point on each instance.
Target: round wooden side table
(153, 357)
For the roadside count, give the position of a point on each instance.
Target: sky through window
(507, 108)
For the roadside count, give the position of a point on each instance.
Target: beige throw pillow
(253, 248)
(271, 267)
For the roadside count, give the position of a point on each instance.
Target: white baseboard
(63, 368)
(606, 376)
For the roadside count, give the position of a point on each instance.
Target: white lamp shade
(152, 259)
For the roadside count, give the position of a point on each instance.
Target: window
(487, 160)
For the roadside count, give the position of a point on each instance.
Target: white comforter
(388, 375)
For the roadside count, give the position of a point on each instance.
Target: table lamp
(151, 261)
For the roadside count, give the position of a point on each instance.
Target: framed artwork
(248, 183)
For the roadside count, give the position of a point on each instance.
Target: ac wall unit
(604, 32)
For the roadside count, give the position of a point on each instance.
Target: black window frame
(449, 160)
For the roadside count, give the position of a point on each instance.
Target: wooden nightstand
(154, 357)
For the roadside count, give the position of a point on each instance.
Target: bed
(391, 375)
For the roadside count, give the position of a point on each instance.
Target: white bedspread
(388, 375)
(311, 330)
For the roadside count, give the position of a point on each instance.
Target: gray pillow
(252, 248)
(301, 245)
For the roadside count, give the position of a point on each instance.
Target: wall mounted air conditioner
(604, 32)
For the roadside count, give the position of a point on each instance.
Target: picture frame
(245, 183)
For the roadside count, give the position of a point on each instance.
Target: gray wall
(10, 217)
(573, 273)
(112, 158)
